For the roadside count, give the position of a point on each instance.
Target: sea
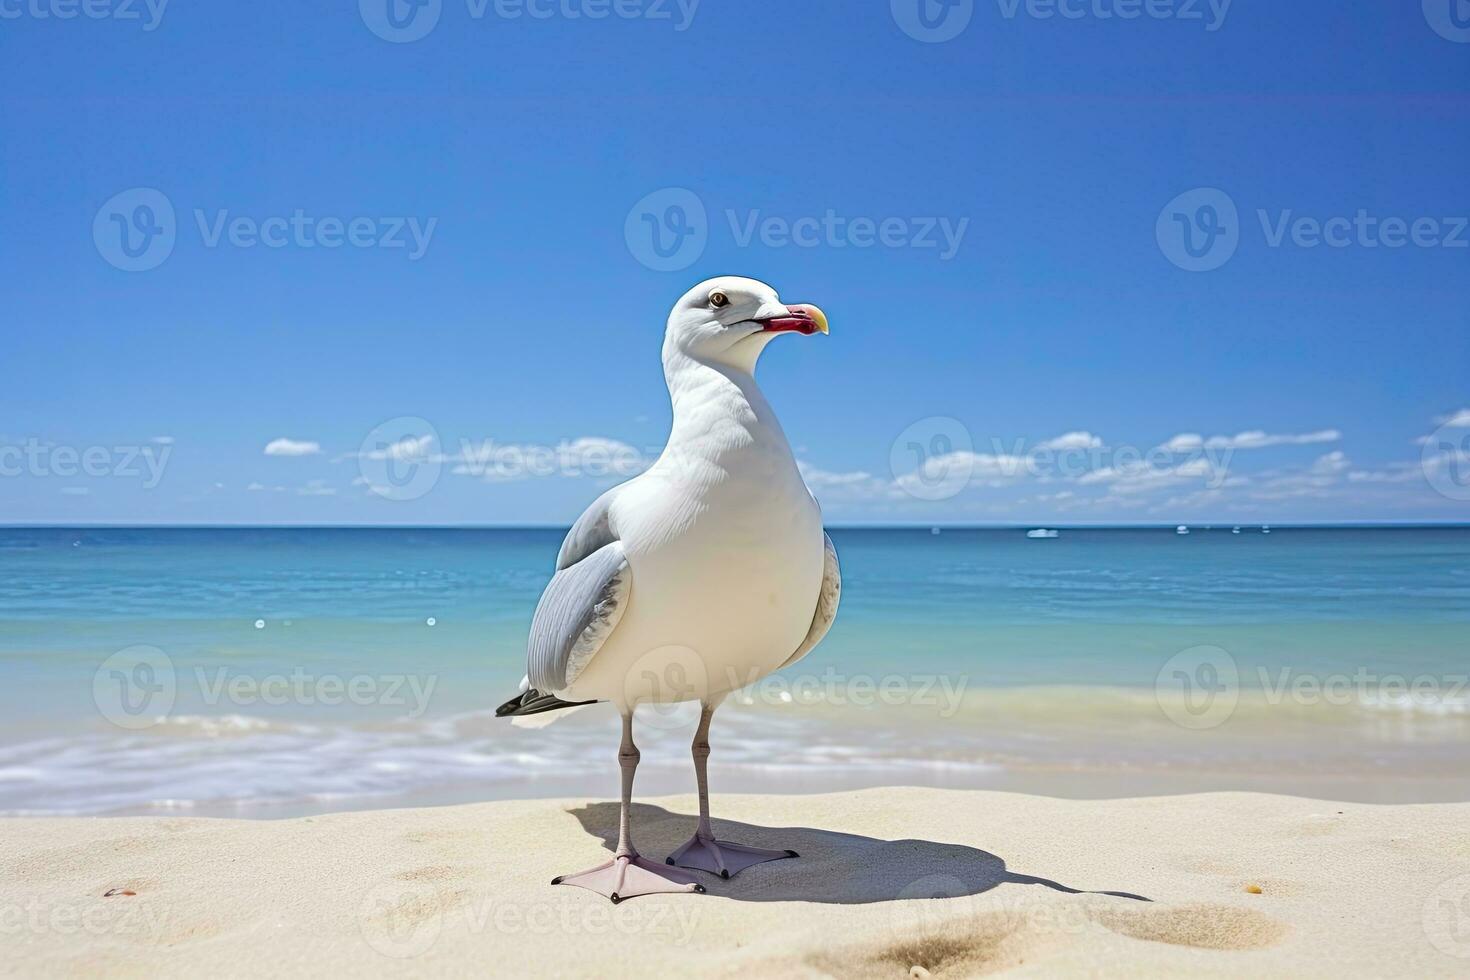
(276, 672)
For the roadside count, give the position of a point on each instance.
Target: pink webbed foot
(722, 857)
(629, 877)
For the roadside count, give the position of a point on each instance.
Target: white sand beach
(891, 882)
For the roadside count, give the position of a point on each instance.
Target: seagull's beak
(801, 318)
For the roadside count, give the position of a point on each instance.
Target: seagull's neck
(719, 409)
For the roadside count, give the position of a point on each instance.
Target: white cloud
(163, 440)
(1260, 440)
(416, 448)
(1142, 478)
(255, 487)
(1073, 440)
(1187, 442)
(1396, 473)
(292, 447)
(316, 488)
(963, 468)
(1459, 420)
(816, 477)
(850, 485)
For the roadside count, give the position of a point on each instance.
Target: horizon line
(839, 525)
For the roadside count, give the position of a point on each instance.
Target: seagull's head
(730, 319)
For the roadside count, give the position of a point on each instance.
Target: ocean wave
(247, 765)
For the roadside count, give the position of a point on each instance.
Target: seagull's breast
(725, 545)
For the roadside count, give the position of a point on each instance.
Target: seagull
(696, 578)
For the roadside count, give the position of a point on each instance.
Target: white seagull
(696, 578)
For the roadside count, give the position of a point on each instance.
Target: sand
(890, 883)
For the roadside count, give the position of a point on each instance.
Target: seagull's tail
(534, 702)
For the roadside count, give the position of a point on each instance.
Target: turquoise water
(439, 617)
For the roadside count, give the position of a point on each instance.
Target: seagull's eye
(718, 300)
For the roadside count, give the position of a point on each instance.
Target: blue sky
(995, 223)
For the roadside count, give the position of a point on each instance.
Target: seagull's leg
(629, 874)
(702, 851)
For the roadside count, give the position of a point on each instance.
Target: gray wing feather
(826, 603)
(593, 530)
(580, 607)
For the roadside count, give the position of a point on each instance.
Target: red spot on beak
(802, 318)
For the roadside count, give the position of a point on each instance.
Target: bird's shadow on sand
(835, 868)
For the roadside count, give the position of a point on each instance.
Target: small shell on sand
(1253, 889)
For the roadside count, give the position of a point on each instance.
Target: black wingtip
(533, 702)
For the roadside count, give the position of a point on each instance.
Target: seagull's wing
(580, 607)
(826, 603)
(593, 530)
